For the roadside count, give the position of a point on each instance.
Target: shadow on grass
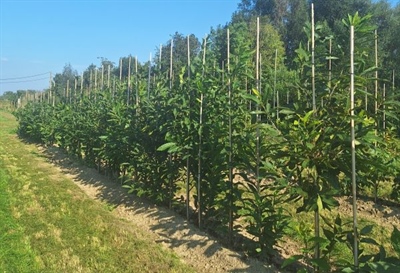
(171, 228)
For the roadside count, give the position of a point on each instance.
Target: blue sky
(41, 36)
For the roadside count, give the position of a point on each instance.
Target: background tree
(60, 80)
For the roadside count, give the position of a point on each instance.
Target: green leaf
(166, 146)
(291, 260)
(321, 263)
(395, 240)
(366, 230)
(319, 203)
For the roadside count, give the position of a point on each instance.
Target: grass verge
(48, 224)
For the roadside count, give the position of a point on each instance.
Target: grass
(48, 224)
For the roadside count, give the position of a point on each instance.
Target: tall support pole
(170, 64)
(170, 95)
(95, 79)
(376, 80)
(230, 167)
(276, 92)
(67, 95)
(120, 69)
(129, 80)
(258, 106)
(95, 84)
(353, 149)
(148, 79)
(199, 178)
(75, 87)
(188, 156)
(81, 84)
(159, 58)
(384, 108)
(136, 83)
(90, 82)
(102, 77)
(313, 58)
(108, 77)
(314, 106)
(49, 95)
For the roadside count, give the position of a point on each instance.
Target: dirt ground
(166, 227)
(193, 246)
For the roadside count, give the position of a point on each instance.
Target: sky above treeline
(41, 36)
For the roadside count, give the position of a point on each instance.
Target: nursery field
(295, 166)
(48, 224)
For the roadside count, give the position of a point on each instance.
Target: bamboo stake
(258, 106)
(102, 77)
(393, 80)
(108, 77)
(230, 226)
(330, 65)
(353, 148)
(170, 65)
(67, 91)
(136, 83)
(75, 87)
(95, 84)
(170, 93)
(316, 212)
(384, 108)
(376, 80)
(159, 58)
(49, 96)
(276, 92)
(120, 69)
(95, 79)
(81, 84)
(188, 156)
(200, 140)
(148, 79)
(366, 99)
(129, 80)
(313, 57)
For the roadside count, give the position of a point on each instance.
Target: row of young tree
(230, 133)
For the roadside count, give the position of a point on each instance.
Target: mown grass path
(47, 224)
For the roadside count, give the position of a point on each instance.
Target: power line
(25, 81)
(25, 77)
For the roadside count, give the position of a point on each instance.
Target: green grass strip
(49, 225)
(16, 254)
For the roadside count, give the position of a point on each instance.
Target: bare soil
(194, 247)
